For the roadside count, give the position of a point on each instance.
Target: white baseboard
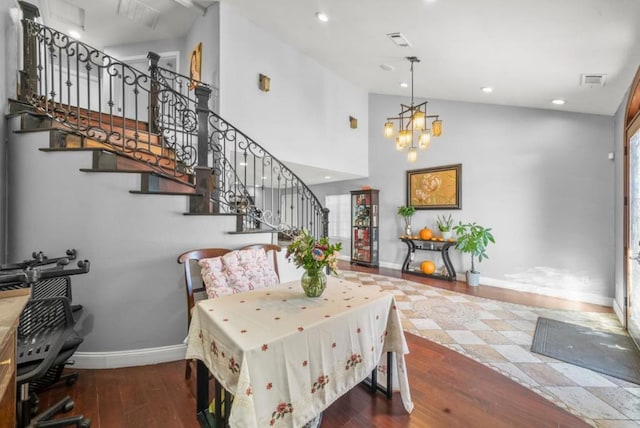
(137, 357)
(529, 288)
(391, 265)
(620, 312)
(544, 291)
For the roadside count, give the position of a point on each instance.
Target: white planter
(447, 235)
(473, 278)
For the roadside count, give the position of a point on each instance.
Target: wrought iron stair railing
(164, 120)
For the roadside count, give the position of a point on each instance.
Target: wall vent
(399, 40)
(592, 80)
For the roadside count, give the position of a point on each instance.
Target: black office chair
(57, 287)
(45, 340)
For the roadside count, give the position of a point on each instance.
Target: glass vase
(407, 227)
(313, 282)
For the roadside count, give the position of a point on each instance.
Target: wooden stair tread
(252, 231)
(140, 192)
(140, 171)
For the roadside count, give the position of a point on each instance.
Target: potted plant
(473, 239)
(444, 225)
(406, 211)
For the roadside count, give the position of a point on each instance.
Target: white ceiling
(529, 51)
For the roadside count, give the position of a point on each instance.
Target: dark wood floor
(448, 389)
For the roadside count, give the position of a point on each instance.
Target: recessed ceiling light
(558, 101)
(487, 89)
(404, 85)
(76, 35)
(327, 177)
(322, 17)
(386, 67)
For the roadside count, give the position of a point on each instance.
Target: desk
(11, 304)
(286, 357)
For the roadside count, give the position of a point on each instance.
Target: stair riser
(106, 160)
(100, 132)
(154, 183)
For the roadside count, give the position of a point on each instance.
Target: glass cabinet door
(364, 227)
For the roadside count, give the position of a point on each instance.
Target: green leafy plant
(406, 210)
(312, 255)
(473, 239)
(444, 223)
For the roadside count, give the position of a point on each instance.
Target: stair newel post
(154, 89)
(325, 221)
(29, 72)
(203, 172)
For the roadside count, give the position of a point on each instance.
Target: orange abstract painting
(435, 188)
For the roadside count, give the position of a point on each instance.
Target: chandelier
(413, 120)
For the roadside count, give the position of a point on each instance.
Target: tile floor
(499, 335)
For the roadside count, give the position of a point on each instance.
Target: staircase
(159, 125)
(133, 168)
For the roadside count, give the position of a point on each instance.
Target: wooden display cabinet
(364, 227)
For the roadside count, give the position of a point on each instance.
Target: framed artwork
(435, 188)
(195, 66)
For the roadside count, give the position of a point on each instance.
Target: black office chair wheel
(34, 403)
(71, 379)
(86, 423)
(68, 406)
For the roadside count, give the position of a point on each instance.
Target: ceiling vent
(65, 12)
(139, 12)
(592, 80)
(399, 40)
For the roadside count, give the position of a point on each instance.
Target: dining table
(286, 357)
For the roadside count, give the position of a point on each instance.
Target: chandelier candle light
(412, 119)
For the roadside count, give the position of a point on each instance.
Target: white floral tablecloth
(286, 357)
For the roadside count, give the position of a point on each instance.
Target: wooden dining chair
(268, 248)
(193, 281)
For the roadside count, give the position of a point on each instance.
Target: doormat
(612, 354)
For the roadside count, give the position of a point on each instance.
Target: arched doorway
(632, 209)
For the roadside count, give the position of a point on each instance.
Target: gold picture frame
(195, 66)
(435, 188)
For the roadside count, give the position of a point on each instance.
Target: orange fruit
(426, 234)
(428, 267)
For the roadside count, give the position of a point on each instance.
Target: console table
(430, 245)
